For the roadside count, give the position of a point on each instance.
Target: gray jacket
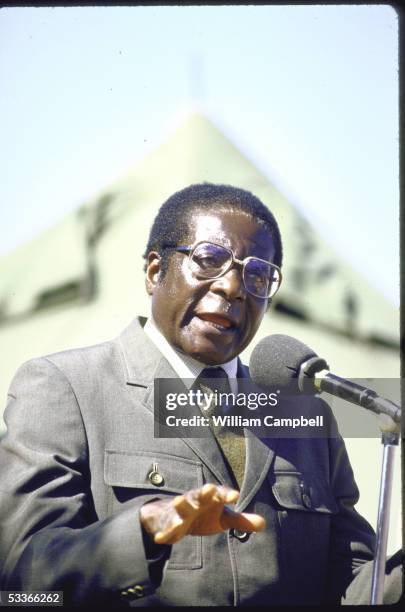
(74, 473)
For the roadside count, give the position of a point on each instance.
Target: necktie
(231, 443)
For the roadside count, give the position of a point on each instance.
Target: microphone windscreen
(276, 360)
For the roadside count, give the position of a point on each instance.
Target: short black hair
(172, 223)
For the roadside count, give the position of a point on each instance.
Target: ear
(268, 304)
(152, 272)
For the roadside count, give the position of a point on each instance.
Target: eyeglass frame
(234, 260)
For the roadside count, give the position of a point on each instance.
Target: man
(95, 505)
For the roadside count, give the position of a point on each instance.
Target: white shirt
(185, 366)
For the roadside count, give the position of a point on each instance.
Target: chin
(211, 350)
(211, 356)
(212, 360)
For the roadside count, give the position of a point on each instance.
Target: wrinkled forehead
(234, 229)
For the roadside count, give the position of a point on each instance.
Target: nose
(230, 285)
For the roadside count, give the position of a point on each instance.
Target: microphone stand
(389, 415)
(390, 440)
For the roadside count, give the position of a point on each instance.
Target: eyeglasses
(208, 260)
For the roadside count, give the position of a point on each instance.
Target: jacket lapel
(144, 363)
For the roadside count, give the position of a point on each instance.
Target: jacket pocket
(294, 491)
(130, 474)
(305, 509)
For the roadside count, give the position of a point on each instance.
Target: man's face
(212, 320)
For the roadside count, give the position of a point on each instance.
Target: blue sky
(309, 93)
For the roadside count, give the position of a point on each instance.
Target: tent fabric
(318, 284)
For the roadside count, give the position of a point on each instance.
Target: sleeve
(352, 542)
(358, 592)
(51, 537)
(352, 537)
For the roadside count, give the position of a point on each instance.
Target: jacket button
(137, 591)
(242, 536)
(156, 478)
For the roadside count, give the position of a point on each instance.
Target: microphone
(284, 362)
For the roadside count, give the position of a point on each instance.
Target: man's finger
(208, 493)
(217, 493)
(231, 496)
(167, 538)
(243, 521)
(185, 505)
(172, 534)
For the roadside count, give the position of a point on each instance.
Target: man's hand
(197, 512)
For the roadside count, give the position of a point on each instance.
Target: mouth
(219, 321)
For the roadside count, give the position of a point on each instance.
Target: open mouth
(217, 320)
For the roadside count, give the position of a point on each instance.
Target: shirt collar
(185, 366)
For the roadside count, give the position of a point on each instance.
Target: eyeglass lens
(210, 260)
